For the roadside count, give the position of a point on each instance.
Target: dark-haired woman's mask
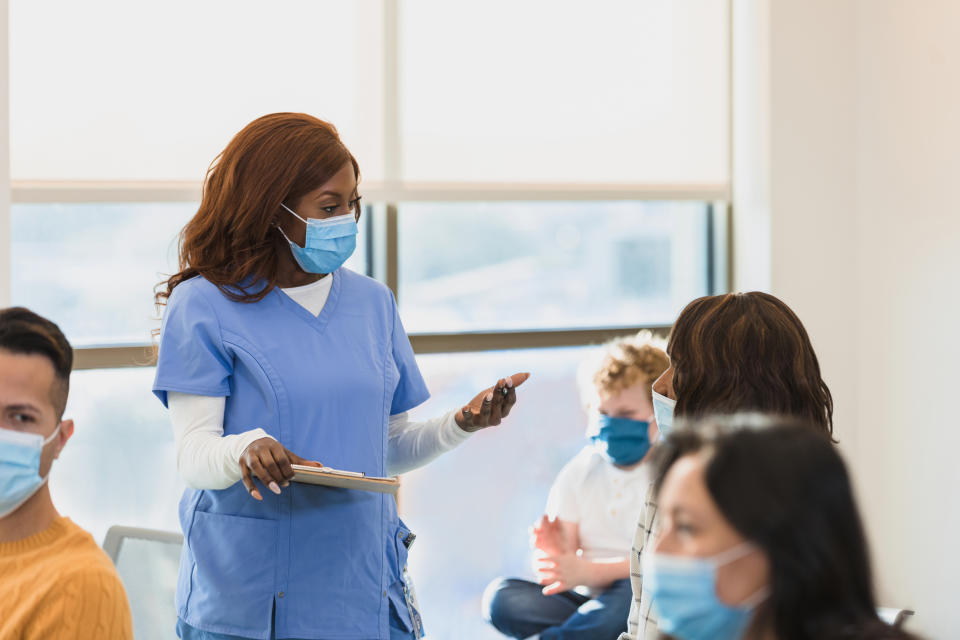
(328, 242)
(683, 590)
(621, 440)
(663, 412)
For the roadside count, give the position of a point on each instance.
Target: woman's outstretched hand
(269, 461)
(491, 405)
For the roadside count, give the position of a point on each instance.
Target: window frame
(382, 224)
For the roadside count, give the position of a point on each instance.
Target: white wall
(4, 154)
(908, 234)
(846, 179)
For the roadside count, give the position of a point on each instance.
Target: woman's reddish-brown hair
(232, 240)
(746, 352)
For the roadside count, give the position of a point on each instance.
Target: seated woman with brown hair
(759, 536)
(729, 353)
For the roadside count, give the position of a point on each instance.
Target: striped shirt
(642, 624)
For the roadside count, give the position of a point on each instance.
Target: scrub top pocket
(233, 558)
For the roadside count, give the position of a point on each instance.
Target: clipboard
(329, 477)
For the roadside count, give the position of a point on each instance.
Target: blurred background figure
(759, 536)
(583, 539)
(729, 353)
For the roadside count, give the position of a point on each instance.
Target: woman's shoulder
(362, 282)
(199, 288)
(194, 287)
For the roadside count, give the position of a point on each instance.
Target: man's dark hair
(23, 331)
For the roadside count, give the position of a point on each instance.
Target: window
(117, 467)
(471, 507)
(93, 267)
(549, 265)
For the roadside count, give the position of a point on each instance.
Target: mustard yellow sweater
(59, 585)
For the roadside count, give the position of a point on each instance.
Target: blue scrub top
(330, 560)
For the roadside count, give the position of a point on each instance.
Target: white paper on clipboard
(328, 477)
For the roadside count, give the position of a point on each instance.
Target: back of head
(784, 487)
(746, 352)
(24, 332)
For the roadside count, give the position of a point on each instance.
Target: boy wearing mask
(583, 541)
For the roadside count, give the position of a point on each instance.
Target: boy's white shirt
(206, 459)
(602, 499)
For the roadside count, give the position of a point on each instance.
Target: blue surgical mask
(663, 412)
(621, 440)
(328, 242)
(20, 467)
(683, 592)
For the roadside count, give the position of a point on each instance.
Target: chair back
(148, 561)
(893, 616)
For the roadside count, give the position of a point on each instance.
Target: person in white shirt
(582, 543)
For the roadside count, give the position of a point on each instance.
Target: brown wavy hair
(746, 352)
(232, 240)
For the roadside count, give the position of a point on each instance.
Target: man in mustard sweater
(55, 582)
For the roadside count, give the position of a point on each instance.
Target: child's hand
(548, 536)
(561, 572)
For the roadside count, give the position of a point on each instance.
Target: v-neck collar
(318, 322)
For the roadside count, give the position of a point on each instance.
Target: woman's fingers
(256, 466)
(248, 482)
(271, 463)
(491, 406)
(272, 467)
(517, 379)
(496, 404)
(295, 459)
(509, 400)
(278, 465)
(485, 408)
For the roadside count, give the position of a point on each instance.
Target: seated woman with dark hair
(729, 353)
(759, 537)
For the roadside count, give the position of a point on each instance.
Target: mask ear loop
(303, 220)
(740, 551)
(53, 435)
(280, 229)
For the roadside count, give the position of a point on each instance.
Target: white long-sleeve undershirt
(207, 459)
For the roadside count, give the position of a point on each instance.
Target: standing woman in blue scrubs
(273, 354)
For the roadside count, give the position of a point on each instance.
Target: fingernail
(285, 484)
(489, 397)
(256, 495)
(274, 487)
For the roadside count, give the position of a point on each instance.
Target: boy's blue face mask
(328, 242)
(623, 441)
(683, 591)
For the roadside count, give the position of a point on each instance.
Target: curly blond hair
(628, 360)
